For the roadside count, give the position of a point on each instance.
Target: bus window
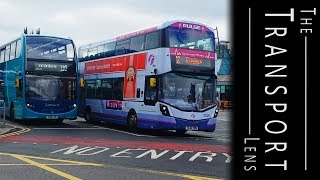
(18, 49)
(13, 50)
(152, 40)
(83, 53)
(2, 55)
(90, 89)
(49, 48)
(137, 43)
(98, 89)
(2, 90)
(70, 52)
(100, 51)
(92, 52)
(117, 93)
(190, 39)
(109, 49)
(122, 47)
(7, 54)
(106, 89)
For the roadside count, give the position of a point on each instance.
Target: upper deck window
(137, 43)
(152, 40)
(190, 38)
(50, 48)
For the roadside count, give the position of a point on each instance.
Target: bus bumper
(31, 115)
(171, 123)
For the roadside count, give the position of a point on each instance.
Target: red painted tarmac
(114, 143)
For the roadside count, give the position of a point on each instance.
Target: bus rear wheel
(132, 122)
(59, 121)
(88, 116)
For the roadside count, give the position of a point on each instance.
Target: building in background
(224, 73)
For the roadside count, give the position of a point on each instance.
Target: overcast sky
(87, 21)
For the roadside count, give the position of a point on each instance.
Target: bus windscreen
(45, 48)
(190, 39)
(50, 87)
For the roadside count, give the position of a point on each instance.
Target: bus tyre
(59, 121)
(132, 122)
(12, 118)
(88, 116)
(181, 132)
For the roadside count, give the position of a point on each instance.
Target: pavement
(5, 129)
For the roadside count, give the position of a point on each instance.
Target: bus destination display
(48, 66)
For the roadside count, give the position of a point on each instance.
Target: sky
(96, 20)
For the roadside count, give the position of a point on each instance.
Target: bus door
(151, 91)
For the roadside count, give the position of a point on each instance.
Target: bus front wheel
(181, 132)
(132, 122)
(59, 121)
(88, 116)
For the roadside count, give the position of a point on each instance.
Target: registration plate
(191, 128)
(51, 117)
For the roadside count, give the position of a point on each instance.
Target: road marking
(187, 176)
(46, 167)
(23, 130)
(42, 164)
(115, 143)
(139, 135)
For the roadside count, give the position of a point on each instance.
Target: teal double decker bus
(38, 78)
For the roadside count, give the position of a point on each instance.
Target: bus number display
(181, 60)
(50, 67)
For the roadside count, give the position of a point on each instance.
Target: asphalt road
(80, 150)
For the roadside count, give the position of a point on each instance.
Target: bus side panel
(13, 71)
(113, 114)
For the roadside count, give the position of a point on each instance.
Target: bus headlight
(73, 106)
(164, 109)
(216, 113)
(29, 105)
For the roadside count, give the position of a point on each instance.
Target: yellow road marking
(23, 130)
(55, 160)
(61, 160)
(187, 176)
(44, 166)
(47, 168)
(15, 165)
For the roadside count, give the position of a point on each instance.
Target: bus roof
(141, 31)
(32, 35)
(40, 35)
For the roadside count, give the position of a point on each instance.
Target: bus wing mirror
(18, 83)
(153, 82)
(82, 82)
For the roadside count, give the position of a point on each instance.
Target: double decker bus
(162, 77)
(38, 78)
